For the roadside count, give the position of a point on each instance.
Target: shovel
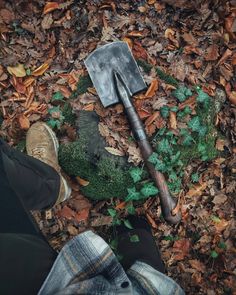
(116, 77)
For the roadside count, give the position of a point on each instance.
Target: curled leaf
(50, 6)
(40, 70)
(82, 181)
(18, 70)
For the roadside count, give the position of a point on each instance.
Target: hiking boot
(42, 144)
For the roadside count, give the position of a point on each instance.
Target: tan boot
(42, 144)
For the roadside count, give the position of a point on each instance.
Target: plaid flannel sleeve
(87, 265)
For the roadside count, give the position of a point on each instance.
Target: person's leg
(143, 248)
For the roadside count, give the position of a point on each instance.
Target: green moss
(82, 86)
(67, 113)
(146, 66)
(167, 78)
(162, 75)
(106, 178)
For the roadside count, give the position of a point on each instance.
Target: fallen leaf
(82, 181)
(100, 219)
(134, 155)
(151, 221)
(40, 70)
(6, 15)
(196, 190)
(220, 144)
(66, 212)
(152, 89)
(221, 225)
(114, 151)
(121, 205)
(82, 215)
(198, 265)
(18, 70)
(50, 6)
(219, 199)
(226, 54)
(24, 122)
(212, 53)
(181, 249)
(173, 120)
(47, 21)
(152, 118)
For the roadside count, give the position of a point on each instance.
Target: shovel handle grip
(168, 203)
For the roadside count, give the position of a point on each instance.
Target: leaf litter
(186, 52)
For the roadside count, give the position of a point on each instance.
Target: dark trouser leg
(25, 257)
(144, 250)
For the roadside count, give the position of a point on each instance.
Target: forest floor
(186, 51)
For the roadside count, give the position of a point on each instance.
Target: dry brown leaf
(198, 265)
(152, 89)
(212, 53)
(181, 249)
(82, 181)
(226, 54)
(128, 41)
(50, 6)
(6, 15)
(219, 199)
(24, 122)
(67, 213)
(114, 151)
(47, 21)
(134, 155)
(196, 190)
(18, 70)
(152, 118)
(121, 206)
(151, 221)
(40, 70)
(221, 225)
(220, 144)
(173, 120)
(82, 215)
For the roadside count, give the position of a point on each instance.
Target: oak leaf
(24, 122)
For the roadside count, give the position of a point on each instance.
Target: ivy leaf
(57, 96)
(202, 131)
(174, 109)
(136, 174)
(203, 97)
(112, 212)
(134, 239)
(149, 190)
(214, 254)
(182, 93)
(195, 177)
(132, 194)
(130, 208)
(186, 111)
(164, 111)
(160, 166)
(128, 224)
(54, 123)
(195, 124)
(153, 158)
(164, 146)
(202, 150)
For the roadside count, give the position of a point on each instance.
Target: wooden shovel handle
(168, 203)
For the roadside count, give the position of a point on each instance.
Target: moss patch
(106, 178)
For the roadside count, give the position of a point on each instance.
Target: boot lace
(39, 152)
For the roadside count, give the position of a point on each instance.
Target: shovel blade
(104, 62)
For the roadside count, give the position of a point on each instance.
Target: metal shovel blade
(113, 58)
